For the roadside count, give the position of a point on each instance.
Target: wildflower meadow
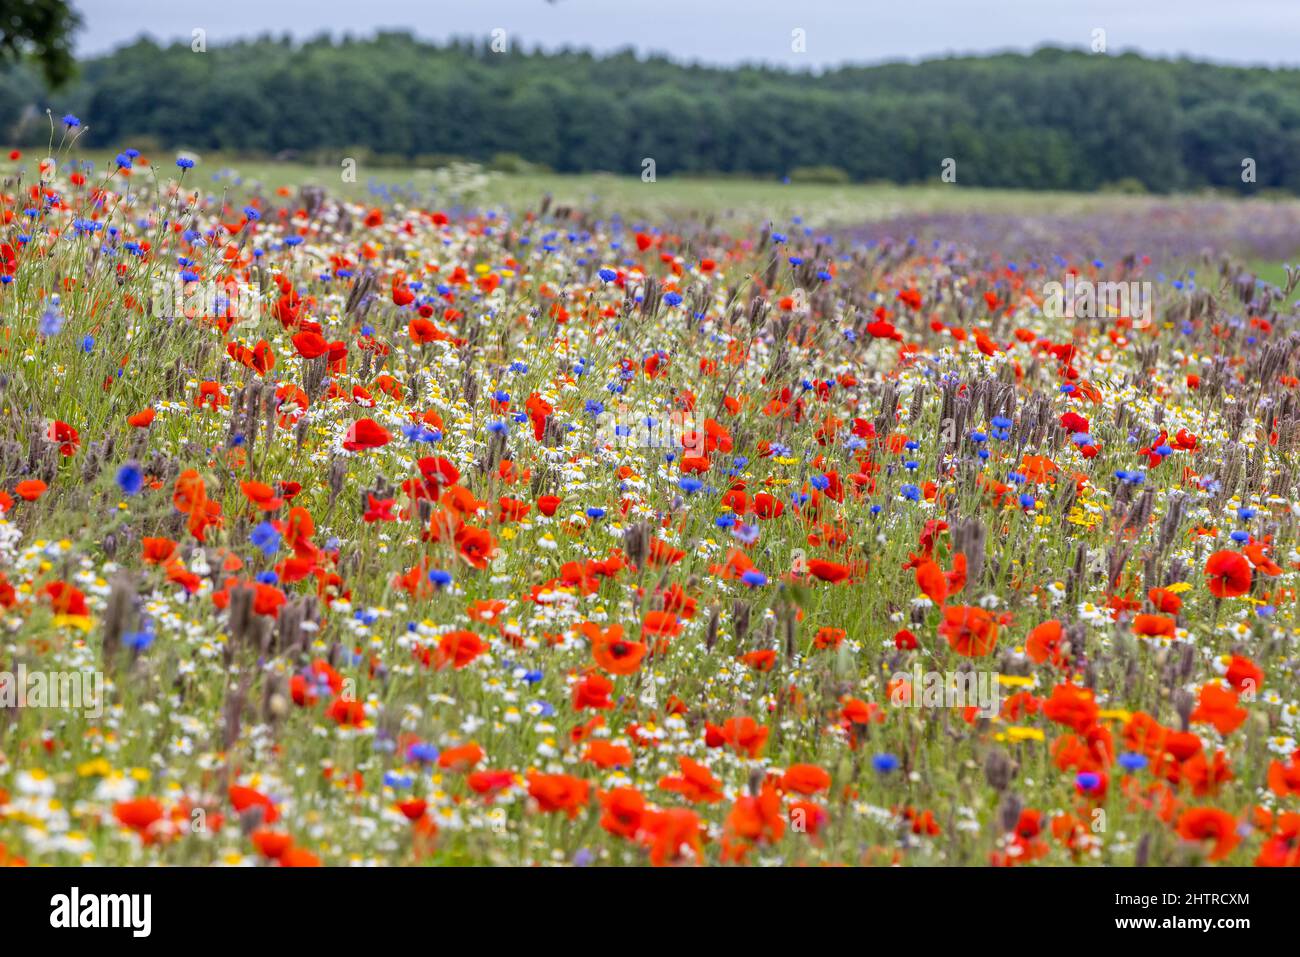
(404, 527)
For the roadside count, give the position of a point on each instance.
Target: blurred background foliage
(1053, 119)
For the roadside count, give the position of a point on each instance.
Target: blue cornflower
(754, 578)
(265, 537)
(884, 763)
(130, 479)
(422, 753)
(440, 577)
(1132, 761)
(51, 321)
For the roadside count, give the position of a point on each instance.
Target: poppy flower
(310, 345)
(379, 509)
(606, 755)
(271, 844)
(245, 798)
(1218, 706)
(611, 650)
(593, 691)
(663, 624)
(1165, 600)
(261, 495)
(1203, 824)
(1227, 574)
(1154, 626)
(65, 436)
(828, 637)
(827, 571)
(139, 814)
(744, 734)
(622, 811)
(476, 546)
(157, 551)
(695, 783)
(1244, 675)
(298, 857)
(673, 836)
(29, 490)
(1044, 642)
(805, 779)
(558, 793)
(1284, 778)
(753, 819)
(931, 581)
(461, 757)
(366, 434)
(1073, 706)
(488, 784)
(458, 649)
(969, 630)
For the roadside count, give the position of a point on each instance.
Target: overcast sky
(732, 31)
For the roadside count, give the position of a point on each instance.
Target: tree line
(1052, 119)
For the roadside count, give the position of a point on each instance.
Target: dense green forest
(1054, 119)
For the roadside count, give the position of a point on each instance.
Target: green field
(744, 200)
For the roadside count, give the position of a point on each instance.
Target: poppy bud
(997, 769)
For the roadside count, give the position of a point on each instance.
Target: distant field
(743, 199)
(1174, 230)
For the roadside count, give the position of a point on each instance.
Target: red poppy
(612, 651)
(366, 434)
(65, 436)
(969, 629)
(245, 798)
(458, 649)
(1203, 824)
(1227, 574)
(805, 779)
(695, 783)
(1044, 642)
(29, 490)
(558, 793)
